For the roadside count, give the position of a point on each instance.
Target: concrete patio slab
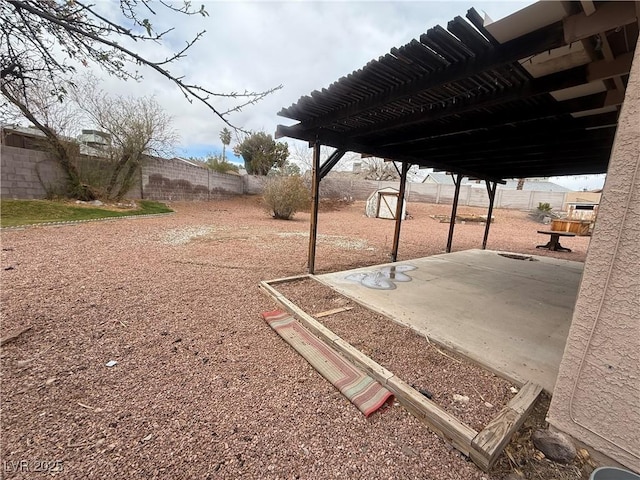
(510, 315)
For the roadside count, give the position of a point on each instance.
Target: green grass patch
(30, 212)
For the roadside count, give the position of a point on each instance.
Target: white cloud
(255, 46)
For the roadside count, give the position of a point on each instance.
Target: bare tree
(379, 169)
(136, 127)
(43, 41)
(44, 114)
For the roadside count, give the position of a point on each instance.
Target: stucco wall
(597, 395)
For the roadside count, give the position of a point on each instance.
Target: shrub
(544, 207)
(221, 165)
(284, 196)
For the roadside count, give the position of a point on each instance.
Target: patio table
(554, 241)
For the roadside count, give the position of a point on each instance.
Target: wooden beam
(489, 443)
(289, 279)
(555, 135)
(315, 197)
(614, 97)
(435, 417)
(607, 53)
(333, 311)
(469, 35)
(457, 178)
(489, 169)
(600, 70)
(585, 167)
(438, 420)
(554, 160)
(593, 102)
(588, 7)
(512, 51)
(429, 113)
(331, 162)
(477, 21)
(399, 211)
(342, 142)
(608, 16)
(386, 147)
(512, 118)
(615, 67)
(573, 28)
(469, 158)
(491, 192)
(316, 328)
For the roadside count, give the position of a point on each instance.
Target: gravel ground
(203, 388)
(407, 354)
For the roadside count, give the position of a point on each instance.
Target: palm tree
(225, 137)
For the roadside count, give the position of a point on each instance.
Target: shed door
(387, 205)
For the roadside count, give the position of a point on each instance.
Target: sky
(301, 45)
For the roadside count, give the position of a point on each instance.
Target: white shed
(383, 204)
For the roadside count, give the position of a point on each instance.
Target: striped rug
(362, 390)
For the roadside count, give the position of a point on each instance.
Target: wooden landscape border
(483, 447)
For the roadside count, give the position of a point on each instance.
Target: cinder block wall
(174, 180)
(19, 170)
(28, 174)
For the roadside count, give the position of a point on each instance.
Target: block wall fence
(29, 174)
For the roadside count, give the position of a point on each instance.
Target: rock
(488, 405)
(513, 390)
(460, 398)
(426, 393)
(554, 445)
(97, 203)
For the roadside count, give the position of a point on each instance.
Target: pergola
(534, 94)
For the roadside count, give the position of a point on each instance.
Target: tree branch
(190, 91)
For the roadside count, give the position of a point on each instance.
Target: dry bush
(284, 196)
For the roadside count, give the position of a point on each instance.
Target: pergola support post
(491, 190)
(399, 209)
(457, 179)
(315, 196)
